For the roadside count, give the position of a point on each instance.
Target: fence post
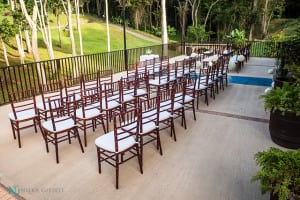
(58, 70)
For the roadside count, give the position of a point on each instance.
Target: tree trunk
(164, 27)
(45, 28)
(69, 12)
(17, 37)
(12, 4)
(78, 26)
(264, 18)
(108, 34)
(254, 9)
(209, 10)
(59, 30)
(4, 52)
(196, 12)
(27, 39)
(98, 8)
(20, 49)
(70, 23)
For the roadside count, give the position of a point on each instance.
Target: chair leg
(56, 148)
(46, 140)
(18, 134)
(117, 171)
(198, 96)
(34, 123)
(13, 129)
(194, 112)
(141, 149)
(99, 159)
(139, 155)
(206, 96)
(103, 125)
(158, 142)
(183, 117)
(173, 130)
(84, 132)
(79, 140)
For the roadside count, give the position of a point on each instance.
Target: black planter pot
(284, 130)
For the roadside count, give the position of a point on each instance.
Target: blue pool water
(250, 80)
(246, 80)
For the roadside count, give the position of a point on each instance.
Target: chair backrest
(126, 124)
(105, 76)
(189, 85)
(56, 110)
(51, 90)
(109, 92)
(151, 106)
(90, 87)
(166, 96)
(90, 80)
(22, 100)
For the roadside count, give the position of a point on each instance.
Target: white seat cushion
(40, 105)
(61, 125)
(110, 105)
(200, 87)
(148, 126)
(23, 115)
(187, 98)
(128, 97)
(162, 115)
(107, 141)
(167, 105)
(157, 83)
(90, 112)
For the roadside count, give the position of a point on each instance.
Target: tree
(182, 13)
(68, 11)
(44, 27)
(209, 10)
(7, 30)
(18, 21)
(254, 9)
(78, 25)
(164, 27)
(195, 4)
(272, 8)
(32, 23)
(57, 10)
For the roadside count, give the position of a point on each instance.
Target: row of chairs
(141, 125)
(141, 104)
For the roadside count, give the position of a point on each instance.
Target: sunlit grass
(94, 40)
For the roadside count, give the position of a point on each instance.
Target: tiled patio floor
(212, 159)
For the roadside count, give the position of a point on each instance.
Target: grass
(290, 27)
(94, 40)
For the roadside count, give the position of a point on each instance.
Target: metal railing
(30, 75)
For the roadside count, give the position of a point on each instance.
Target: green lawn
(94, 40)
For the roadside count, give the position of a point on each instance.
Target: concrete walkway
(212, 159)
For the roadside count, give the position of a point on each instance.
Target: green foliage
(279, 172)
(171, 31)
(7, 30)
(116, 20)
(237, 37)
(156, 31)
(284, 99)
(197, 34)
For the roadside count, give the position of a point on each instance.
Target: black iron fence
(30, 75)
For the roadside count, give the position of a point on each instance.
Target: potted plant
(237, 38)
(283, 101)
(279, 173)
(284, 105)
